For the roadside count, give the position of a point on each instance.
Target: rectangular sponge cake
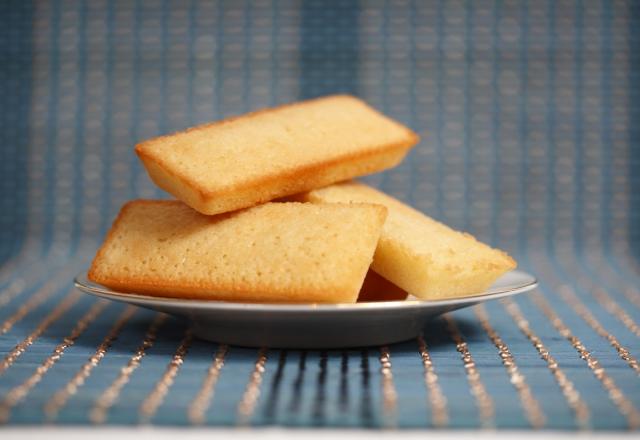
(424, 257)
(276, 252)
(254, 158)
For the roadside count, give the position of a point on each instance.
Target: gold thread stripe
(437, 399)
(17, 287)
(624, 405)
(153, 401)
(55, 314)
(60, 398)
(106, 400)
(633, 296)
(19, 392)
(389, 394)
(8, 269)
(569, 296)
(568, 389)
(614, 308)
(202, 401)
(572, 299)
(34, 301)
(530, 404)
(606, 301)
(484, 402)
(252, 391)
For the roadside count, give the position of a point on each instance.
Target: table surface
(527, 113)
(54, 433)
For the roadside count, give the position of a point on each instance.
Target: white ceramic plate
(310, 325)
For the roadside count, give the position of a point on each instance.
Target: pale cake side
(272, 153)
(426, 258)
(276, 252)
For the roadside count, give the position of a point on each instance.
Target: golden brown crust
(302, 174)
(92, 275)
(292, 177)
(423, 256)
(298, 173)
(141, 145)
(232, 292)
(236, 290)
(182, 177)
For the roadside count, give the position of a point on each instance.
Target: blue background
(529, 117)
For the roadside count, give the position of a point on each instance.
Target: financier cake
(422, 256)
(376, 288)
(247, 160)
(276, 252)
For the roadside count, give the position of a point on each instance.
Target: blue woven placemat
(529, 116)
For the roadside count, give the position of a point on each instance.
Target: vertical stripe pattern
(528, 113)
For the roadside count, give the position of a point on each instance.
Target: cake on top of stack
(268, 154)
(234, 237)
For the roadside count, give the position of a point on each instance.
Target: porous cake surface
(425, 257)
(276, 252)
(260, 156)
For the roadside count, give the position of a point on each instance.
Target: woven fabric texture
(529, 113)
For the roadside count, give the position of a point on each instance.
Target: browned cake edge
(375, 287)
(271, 185)
(508, 261)
(143, 146)
(236, 292)
(91, 274)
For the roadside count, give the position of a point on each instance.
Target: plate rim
(82, 283)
